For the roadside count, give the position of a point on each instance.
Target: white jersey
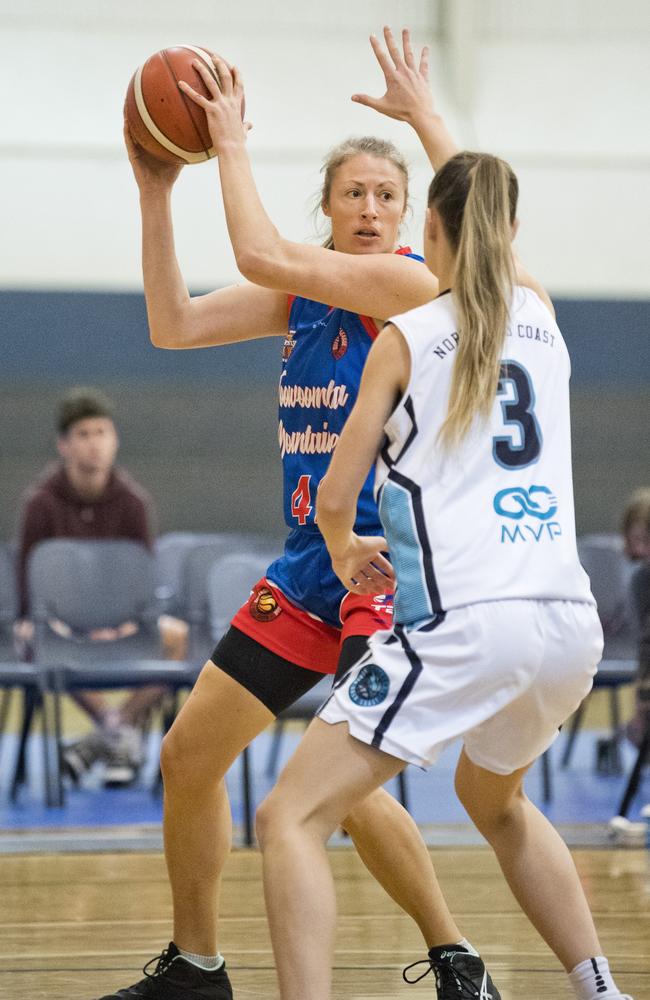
(492, 518)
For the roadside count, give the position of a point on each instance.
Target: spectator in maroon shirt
(86, 496)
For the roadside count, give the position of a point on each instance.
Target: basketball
(161, 118)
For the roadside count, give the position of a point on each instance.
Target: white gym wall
(558, 87)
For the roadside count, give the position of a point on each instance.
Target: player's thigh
(485, 794)
(328, 774)
(219, 718)
(238, 694)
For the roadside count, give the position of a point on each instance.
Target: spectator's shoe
(459, 975)
(124, 757)
(175, 979)
(79, 757)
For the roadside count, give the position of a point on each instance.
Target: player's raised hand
(362, 568)
(408, 96)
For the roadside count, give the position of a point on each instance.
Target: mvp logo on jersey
(518, 504)
(370, 687)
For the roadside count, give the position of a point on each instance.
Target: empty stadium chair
(28, 678)
(641, 592)
(171, 551)
(610, 573)
(206, 626)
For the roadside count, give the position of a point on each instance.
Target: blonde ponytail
(477, 201)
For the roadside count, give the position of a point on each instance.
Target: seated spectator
(84, 495)
(636, 538)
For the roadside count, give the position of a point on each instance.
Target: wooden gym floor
(74, 927)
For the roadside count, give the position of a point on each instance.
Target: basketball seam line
(165, 142)
(190, 106)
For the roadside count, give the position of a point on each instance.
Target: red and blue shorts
(278, 651)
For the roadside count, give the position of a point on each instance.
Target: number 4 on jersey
(301, 506)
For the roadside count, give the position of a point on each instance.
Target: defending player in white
(464, 407)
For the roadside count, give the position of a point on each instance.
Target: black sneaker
(459, 975)
(175, 979)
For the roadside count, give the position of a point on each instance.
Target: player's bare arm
(176, 319)
(356, 560)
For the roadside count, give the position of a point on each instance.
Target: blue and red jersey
(322, 362)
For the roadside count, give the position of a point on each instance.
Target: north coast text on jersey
(524, 331)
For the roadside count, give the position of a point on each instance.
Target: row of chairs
(96, 585)
(611, 574)
(201, 578)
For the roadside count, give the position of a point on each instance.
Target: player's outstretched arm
(357, 561)
(408, 96)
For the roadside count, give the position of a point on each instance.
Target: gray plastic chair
(171, 551)
(640, 587)
(28, 678)
(91, 585)
(230, 580)
(208, 612)
(610, 574)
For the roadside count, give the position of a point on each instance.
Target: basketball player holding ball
(300, 622)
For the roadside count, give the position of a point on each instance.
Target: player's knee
(372, 811)
(489, 813)
(272, 819)
(170, 757)
(178, 760)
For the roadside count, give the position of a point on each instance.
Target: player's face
(637, 541)
(90, 445)
(366, 205)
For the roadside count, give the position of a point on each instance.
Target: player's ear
(62, 445)
(325, 209)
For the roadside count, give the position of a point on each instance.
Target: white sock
(592, 980)
(464, 943)
(209, 963)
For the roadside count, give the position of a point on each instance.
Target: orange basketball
(161, 118)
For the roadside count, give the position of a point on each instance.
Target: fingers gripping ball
(161, 118)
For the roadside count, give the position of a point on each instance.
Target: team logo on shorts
(263, 605)
(340, 344)
(289, 344)
(370, 687)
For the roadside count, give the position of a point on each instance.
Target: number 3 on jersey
(523, 444)
(301, 506)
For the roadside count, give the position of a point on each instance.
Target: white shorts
(503, 675)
